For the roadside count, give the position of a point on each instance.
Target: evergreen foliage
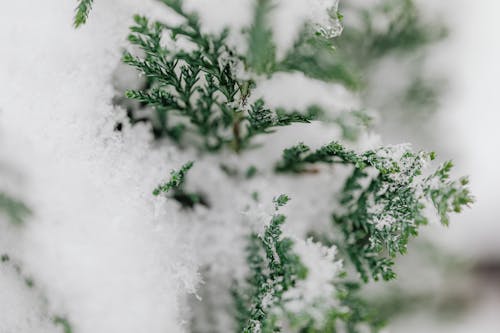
(274, 268)
(404, 32)
(199, 86)
(379, 218)
(175, 186)
(82, 12)
(177, 179)
(394, 30)
(203, 97)
(261, 49)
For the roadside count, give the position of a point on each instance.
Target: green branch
(82, 12)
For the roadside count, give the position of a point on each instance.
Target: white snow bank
(95, 246)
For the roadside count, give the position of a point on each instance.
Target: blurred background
(435, 83)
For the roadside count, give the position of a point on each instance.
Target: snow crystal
(325, 18)
(314, 295)
(393, 152)
(290, 15)
(383, 220)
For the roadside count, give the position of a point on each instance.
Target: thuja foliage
(261, 304)
(395, 30)
(274, 269)
(202, 96)
(176, 189)
(177, 179)
(82, 12)
(385, 29)
(384, 199)
(402, 31)
(198, 91)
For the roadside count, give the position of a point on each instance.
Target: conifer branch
(261, 55)
(82, 12)
(200, 85)
(176, 180)
(202, 96)
(274, 268)
(382, 216)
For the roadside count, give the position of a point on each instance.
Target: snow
(103, 251)
(295, 91)
(315, 294)
(19, 314)
(290, 16)
(109, 255)
(94, 244)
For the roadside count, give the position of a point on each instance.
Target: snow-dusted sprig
(274, 269)
(383, 200)
(317, 57)
(283, 268)
(447, 196)
(82, 12)
(382, 216)
(298, 158)
(296, 286)
(199, 91)
(199, 97)
(280, 201)
(176, 180)
(196, 85)
(175, 186)
(261, 120)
